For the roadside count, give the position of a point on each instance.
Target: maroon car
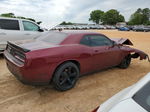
(61, 57)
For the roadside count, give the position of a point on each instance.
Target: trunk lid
(30, 45)
(18, 49)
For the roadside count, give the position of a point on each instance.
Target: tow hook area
(136, 55)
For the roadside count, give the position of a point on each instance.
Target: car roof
(69, 32)
(11, 18)
(74, 36)
(71, 36)
(8, 18)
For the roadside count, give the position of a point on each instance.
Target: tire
(125, 62)
(66, 76)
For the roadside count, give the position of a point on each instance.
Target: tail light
(16, 53)
(19, 58)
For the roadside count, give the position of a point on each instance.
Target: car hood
(33, 44)
(122, 41)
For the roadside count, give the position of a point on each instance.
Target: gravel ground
(89, 92)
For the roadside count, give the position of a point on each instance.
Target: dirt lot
(89, 92)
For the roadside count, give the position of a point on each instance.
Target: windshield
(53, 37)
(142, 97)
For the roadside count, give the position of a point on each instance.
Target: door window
(142, 97)
(96, 40)
(99, 40)
(85, 41)
(9, 24)
(28, 26)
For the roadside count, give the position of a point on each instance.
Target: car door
(30, 30)
(9, 31)
(87, 56)
(105, 52)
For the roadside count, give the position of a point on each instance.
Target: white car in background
(135, 98)
(12, 29)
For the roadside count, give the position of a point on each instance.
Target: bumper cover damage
(135, 53)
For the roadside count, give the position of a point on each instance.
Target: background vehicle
(124, 29)
(142, 29)
(61, 57)
(12, 29)
(135, 98)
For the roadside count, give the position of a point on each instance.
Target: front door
(105, 53)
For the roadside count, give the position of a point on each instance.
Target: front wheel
(125, 62)
(66, 76)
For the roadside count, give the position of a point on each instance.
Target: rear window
(142, 97)
(53, 37)
(9, 24)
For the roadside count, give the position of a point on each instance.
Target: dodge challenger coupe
(61, 57)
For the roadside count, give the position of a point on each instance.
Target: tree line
(12, 15)
(111, 17)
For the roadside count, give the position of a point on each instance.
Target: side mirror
(113, 43)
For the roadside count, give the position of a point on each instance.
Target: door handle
(2, 33)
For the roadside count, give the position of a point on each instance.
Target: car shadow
(98, 71)
(1, 56)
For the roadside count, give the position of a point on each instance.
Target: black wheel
(66, 76)
(125, 62)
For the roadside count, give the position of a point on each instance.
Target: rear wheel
(66, 76)
(125, 62)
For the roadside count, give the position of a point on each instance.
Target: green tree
(121, 18)
(65, 23)
(146, 15)
(136, 19)
(31, 19)
(12, 15)
(112, 16)
(20, 17)
(141, 16)
(96, 16)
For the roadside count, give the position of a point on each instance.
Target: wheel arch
(61, 63)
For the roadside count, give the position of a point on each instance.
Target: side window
(99, 40)
(28, 26)
(85, 41)
(9, 24)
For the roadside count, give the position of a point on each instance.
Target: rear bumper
(27, 75)
(18, 74)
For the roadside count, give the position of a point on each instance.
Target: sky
(53, 12)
